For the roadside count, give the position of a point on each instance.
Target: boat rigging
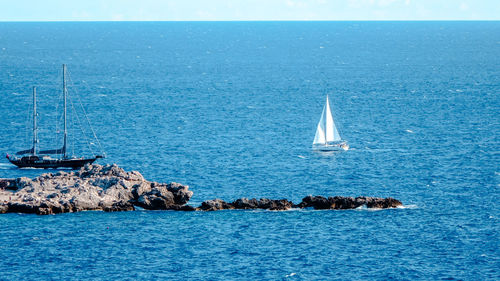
(35, 158)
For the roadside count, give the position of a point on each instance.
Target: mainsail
(27, 151)
(326, 131)
(61, 150)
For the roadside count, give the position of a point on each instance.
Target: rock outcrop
(315, 202)
(246, 204)
(109, 188)
(339, 202)
(94, 187)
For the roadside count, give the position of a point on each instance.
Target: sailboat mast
(327, 109)
(65, 127)
(35, 137)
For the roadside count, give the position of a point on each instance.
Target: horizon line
(265, 20)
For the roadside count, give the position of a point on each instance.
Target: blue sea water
(230, 109)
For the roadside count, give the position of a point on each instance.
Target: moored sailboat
(35, 158)
(327, 137)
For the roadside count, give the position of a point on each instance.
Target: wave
(413, 206)
(364, 208)
(6, 166)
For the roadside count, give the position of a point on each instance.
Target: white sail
(326, 131)
(332, 134)
(319, 138)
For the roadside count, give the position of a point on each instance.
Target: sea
(231, 109)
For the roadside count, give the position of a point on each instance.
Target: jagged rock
(275, 205)
(20, 207)
(317, 202)
(262, 203)
(22, 182)
(215, 205)
(93, 187)
(3, 209)
(110, 188)
(339, 202)
(164, 197)
(140, 188)
(180, 192)
(8, 184)
(246, 204)
(119, 207)
(384, 203)
(182, 208)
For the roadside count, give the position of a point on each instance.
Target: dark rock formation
(339, 202)
(111, 189)
(9, 184)
(215, 205)
(246, 204)
(262, 203)
(162, 196)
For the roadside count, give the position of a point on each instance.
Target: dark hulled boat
(32, 158)
(34, 161)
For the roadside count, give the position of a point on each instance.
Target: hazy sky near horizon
(207, 10)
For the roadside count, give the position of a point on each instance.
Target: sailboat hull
(34, 162)
(331, 147)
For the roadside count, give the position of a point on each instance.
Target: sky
(243, 10)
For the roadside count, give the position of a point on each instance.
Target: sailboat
(35, 158)
(327, 137)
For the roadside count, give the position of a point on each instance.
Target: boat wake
(364, 208)
(40, 168)
(407, 207)
(6, 166)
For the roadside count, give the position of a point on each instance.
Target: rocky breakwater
(110, 188)
(93, 187)
(315, 202)
(246, 204)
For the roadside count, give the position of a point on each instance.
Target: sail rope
(80, 124)
(59, 117)
(87, 118)
(337, 125)
(72, 133)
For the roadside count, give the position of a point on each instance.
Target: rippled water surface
(230, 109)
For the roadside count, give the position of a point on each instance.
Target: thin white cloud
(385, 3)
(57, 10)
(117, 17)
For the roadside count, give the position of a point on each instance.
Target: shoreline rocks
(93, 188)
(343, 203)
(109, 188)
(246, 204)
(315, 202)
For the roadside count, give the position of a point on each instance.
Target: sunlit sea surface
(230, 109)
